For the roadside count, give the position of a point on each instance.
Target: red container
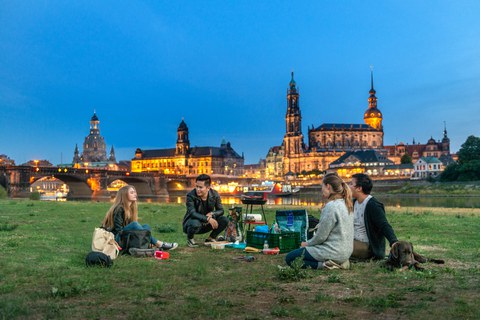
(162, 255)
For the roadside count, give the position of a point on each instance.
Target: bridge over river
(85, 183)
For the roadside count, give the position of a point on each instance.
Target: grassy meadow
(43, 275)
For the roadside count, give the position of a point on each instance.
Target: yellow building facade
(184, 160)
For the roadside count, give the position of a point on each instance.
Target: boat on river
(228, 189)
(270, 188)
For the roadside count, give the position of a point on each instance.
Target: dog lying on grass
(402, 256)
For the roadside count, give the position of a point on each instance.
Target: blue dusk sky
(224, 66)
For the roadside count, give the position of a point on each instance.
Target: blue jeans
(308, 260)
(137, 226)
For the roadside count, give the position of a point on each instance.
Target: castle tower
(183, 143)
(94, 148)
(373, 117)
(76, 155)
(293, 140)
(445, 141)
(112, 156)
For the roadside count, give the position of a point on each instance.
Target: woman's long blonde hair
(340, 190)
(121, 199)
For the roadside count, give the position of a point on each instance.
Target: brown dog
(402, 256)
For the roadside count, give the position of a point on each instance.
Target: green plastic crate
(285, 241)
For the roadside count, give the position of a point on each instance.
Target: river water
(315, 200)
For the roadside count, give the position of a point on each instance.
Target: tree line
(468, 166)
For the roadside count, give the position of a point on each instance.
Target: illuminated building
(326, 143)
(187, 160)
(6, 161)
(94, 150)
(427, 167)
(437, 149)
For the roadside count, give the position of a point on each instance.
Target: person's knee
(222, 222)
(192, 226)
(290, 257)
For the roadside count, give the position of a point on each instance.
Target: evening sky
(224, 67)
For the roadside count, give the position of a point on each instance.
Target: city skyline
(225, 68)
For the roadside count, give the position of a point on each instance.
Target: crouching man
(204, 212)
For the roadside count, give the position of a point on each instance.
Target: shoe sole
(170, 249)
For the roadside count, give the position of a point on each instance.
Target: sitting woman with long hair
(123, 215)
(332, 244)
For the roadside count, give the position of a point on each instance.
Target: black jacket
(197, 210)
(378, 228)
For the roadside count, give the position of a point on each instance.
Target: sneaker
(191, 243)
(168, 246)
(331, 265)
(141, 253)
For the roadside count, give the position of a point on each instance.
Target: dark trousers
(194, 226)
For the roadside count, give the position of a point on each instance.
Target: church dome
(372, 113)
(94, 117)
(431, 141)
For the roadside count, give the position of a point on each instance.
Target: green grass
(43, 275)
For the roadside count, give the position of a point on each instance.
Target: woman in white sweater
(333, 239)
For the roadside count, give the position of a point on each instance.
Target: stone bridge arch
(178, 185)
(78, 186)
(143, 186)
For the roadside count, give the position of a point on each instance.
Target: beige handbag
(104, 241)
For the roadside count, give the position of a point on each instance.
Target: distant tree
(468, 166)
(450, 173)
(469, 171)
(405, 159)
(470, 150)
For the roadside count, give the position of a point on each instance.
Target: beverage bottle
(276, 228)
(265, 245)
(290, 221)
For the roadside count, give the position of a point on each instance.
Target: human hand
(304, 244)
(213, 223)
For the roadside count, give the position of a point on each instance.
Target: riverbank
(415, 187)
(44, 245)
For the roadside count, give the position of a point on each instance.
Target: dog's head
(401, 254)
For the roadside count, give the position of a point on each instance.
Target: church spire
(372, 90)
(372, 116)
(293, 139)
(112, 155)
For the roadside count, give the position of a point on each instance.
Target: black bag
(98, 259)
(139, 239)
(312, 223)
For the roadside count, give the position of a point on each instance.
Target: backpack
(104, 241)
(98, 259)
(139, 239)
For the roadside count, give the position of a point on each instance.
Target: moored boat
(273, 188)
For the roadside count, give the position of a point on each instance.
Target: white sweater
(333, 239)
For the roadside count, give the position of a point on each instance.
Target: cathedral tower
(293, 140)
(373, 117)
(445, 141)
(183, 143)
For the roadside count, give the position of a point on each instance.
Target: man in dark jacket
(204, 212)
(370, 223)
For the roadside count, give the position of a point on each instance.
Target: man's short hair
(364, 182)
(205, 178)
